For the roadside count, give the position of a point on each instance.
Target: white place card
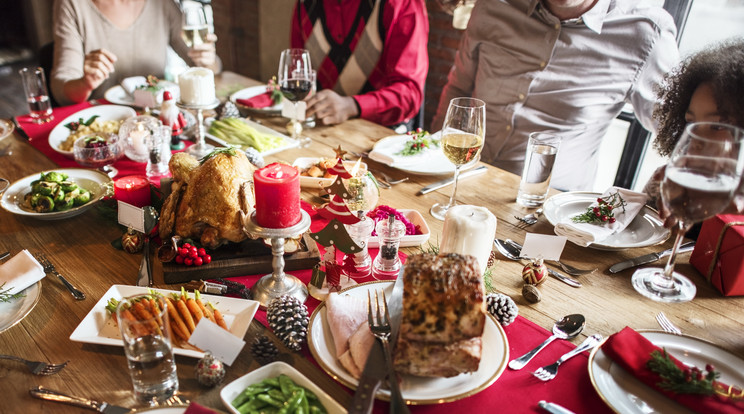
(547, 246)
(208, 336)
(131, 216)
(292, 111)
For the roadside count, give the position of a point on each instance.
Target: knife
(375, 369)
(553, 408)
(101, 407)
(18, 128)
(439, 184)
(565, 279)
(649, 258)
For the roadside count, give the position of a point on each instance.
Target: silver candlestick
(200, 148)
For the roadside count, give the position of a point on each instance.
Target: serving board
(239, 259)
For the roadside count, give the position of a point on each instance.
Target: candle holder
(200, 148)
(277, 283)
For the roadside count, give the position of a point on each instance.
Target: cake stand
(277, 283)
(200, 148)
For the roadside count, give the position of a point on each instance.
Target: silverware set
(49, 268)
(549, 372)
(37, 367)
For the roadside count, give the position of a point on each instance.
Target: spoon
(566, 328)
(510, 252)
(574, 271)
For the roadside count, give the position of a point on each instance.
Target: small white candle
(197, 86)
(469, 230)
(138, 140)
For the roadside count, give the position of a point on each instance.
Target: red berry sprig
(604, 211)
(191, 255)
(420, 140)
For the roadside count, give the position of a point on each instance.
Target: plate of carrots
(185, 311)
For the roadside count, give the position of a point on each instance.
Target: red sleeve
(401, 72)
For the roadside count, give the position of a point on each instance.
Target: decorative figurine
(171, 116)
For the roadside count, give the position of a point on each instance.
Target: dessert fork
(529, 219)
(666, 324)
(549, 372)
(379, 324)
(37, 367)
(49, 268)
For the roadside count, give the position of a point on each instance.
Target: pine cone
(288, 318)
(263, 350)
(502, 307)
(227, 110)
(255, 157)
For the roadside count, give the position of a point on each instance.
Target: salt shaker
(387, 263)
(158, 145)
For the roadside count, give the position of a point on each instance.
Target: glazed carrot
(144, 315)
(205, 310)
(155, 309)
(179, 326)
(218, 316)
(135, 327)
(185, 314)
(193, 307)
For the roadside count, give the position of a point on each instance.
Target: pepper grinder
(387, 263)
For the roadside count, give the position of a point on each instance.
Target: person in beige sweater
(97, 43)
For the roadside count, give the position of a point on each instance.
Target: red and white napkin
(20, 272)
(259, 101)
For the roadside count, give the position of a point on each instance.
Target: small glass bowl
(102, 156)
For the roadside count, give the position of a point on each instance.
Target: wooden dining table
(81, 249)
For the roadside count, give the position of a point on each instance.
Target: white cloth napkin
(585, 234)
(131, 83)
(381, 158)
(20, 272)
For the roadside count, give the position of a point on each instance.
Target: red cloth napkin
(195, 408)
(259, 101)
(632, 351)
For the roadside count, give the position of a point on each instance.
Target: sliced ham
(344, 314)
(348, 363)
(360, 345)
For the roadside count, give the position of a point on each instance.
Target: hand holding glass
(463, 133)
(699, 182)
(295, 82)
(194, 25)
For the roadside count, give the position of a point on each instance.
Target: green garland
(604, 211)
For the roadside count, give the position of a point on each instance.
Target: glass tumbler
(37, 96)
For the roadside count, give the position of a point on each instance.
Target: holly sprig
(604, 211)
(220, 150)
(273, 88)
(420, 140)
(5, 296)
(74, 125)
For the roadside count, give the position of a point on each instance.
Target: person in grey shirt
(567, 66)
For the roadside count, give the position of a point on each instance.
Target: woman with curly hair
(707, 86)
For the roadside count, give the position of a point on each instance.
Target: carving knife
(439, 184)
(649, 258)
(18, 128)
(101, 407)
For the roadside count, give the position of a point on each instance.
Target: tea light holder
(277, 283)
(200, 147)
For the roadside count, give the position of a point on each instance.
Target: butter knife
(439, 184)
(101, 407)
(649, 258)
(553, 408)
(18, 128)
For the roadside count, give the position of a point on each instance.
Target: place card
(294, 111)
(209, 336)
(131, 216)
(547, 246)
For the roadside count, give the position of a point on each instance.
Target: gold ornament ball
(535, 273)
(132, 241)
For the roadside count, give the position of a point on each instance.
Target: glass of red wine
(699, 182)
(295, 82)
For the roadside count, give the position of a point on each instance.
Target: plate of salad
(415, 153)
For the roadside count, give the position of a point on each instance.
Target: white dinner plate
(98, 183)
(288, 142)
(412, 240)
(105, 112)
(14, 311)
(98, 328)
(117, 95)
(430, 161)
(230, 391)
(646, 229)
(625, 394)
(248, 93)
(418, 390)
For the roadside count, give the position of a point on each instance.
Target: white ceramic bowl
(105, 112)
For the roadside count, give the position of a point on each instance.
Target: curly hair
(722, 66)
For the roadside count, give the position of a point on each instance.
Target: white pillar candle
(197, 86)
(469, 230)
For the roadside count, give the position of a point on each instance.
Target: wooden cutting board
(239, 259)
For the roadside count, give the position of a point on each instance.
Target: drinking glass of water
(146, 332)
(542, 149)
(37, 96)
(699, 181)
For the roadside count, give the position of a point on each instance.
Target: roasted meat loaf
(443, 316)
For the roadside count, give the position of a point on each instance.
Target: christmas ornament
(255, 157)
(535, 272)
(172, 117)
(209, 370)
(288, 318)
(502, 307)
(227, 109)
(531, 293)
(132, 241)
(263, 350)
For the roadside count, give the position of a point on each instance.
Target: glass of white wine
(194, 25)
(463, 133)
(699, 182)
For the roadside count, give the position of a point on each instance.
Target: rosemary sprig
(220, 150)
(5, 296)
(690, 380)
(604, 211)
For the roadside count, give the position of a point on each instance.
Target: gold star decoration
(339, 152)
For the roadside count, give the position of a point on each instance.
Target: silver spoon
(574, 271)
(510, 252)
(566, 328)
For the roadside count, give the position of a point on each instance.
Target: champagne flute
(194, 25)
(295, 82)
(700, 178)
(463, 133)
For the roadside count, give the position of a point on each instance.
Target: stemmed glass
(99, 150)
(295, 82)
(194, 25)
(699, 181)
(462, 140)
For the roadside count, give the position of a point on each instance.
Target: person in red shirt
(370, 55)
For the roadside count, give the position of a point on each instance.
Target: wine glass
(194, 25)
(699, 182)
(462, 140)
(295, 82)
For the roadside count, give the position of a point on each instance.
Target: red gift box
(718, 253)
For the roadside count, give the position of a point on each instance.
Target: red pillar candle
(277, 190)
(133, 189)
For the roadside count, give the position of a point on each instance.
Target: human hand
(331, 108)
(205, 54)
(97, 66)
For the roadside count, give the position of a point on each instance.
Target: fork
(549, 372)
(379, 324)
(666, 324)
(571, 270)
(38, 367)
(529, 219)
(49, 268)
